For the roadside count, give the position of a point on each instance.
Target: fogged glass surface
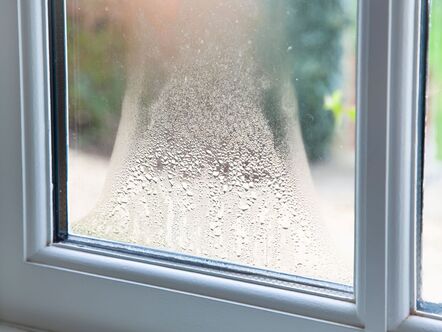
(431, 241)
(219, 129)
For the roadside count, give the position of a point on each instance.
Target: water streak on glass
(219, 129)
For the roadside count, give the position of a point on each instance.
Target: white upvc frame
(64, 288)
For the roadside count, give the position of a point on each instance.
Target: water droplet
(243, 205)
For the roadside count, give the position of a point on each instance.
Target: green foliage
(314, 39)
(334, 103)
(435, 67)
(97, 76)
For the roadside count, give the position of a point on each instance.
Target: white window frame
(66, 288)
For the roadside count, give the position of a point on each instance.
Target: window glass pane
(218, 129)
(431, 264)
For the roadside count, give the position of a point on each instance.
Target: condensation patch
(209, 159)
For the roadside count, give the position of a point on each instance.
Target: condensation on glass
(218, 129)
(430, 293)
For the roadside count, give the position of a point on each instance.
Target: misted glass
(218, 129)
(430, 295)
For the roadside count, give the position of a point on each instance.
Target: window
(57, 278)
(211, 106)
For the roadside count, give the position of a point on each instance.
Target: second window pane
(430, 292)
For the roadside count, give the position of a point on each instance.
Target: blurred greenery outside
(435, 73)
(315, 44)
(95, 98)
